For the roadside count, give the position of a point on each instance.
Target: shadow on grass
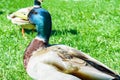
(28, 31)
(54, 32)
(1, 12)
(58, 32)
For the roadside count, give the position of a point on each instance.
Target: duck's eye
(35, 13)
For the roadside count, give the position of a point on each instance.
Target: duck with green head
(43, 61)
(20, 18)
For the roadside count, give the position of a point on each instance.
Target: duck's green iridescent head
(42, 19)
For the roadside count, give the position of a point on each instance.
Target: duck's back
(59, 62)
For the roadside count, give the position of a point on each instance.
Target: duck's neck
(43, 33)
(33, 46)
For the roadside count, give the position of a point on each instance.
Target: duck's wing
(86, 67)
(19, 17)
(66, 63)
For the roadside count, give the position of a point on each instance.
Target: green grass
(92, 26)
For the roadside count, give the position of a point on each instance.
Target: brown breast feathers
(33, 46)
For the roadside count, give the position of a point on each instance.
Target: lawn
(92, 26)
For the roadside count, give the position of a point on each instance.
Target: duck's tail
(117, 77)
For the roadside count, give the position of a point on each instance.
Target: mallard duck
(43, 61)
(19, 17)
